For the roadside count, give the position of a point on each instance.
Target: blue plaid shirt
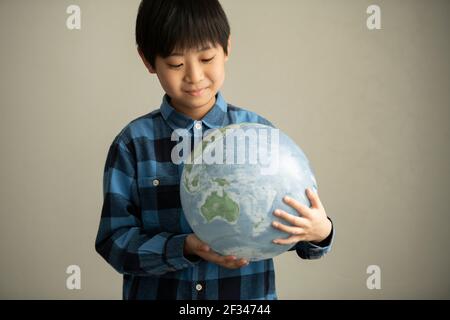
(142, 228)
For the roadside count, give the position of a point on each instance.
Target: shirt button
(156, 182)
(198, 287)
(198, 125)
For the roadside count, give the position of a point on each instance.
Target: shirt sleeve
(261, 120)
(310, 251)
(121, 239)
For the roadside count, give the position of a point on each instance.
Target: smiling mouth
(197, 93)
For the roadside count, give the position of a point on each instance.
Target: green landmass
(222, 182)
(217, 206)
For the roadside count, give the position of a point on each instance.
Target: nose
(194, 73)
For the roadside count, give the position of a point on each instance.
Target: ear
(147, 64)
(228, 48)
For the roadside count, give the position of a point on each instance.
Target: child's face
(184, 72)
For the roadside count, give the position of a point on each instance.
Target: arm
(121, 240)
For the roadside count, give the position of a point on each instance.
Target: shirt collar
(176, 120)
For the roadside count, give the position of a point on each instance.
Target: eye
(180, 65)
(208, 60)
(175, 67)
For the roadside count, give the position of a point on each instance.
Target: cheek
(169, 81)
(217, 74)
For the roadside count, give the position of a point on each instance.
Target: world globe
(234, 180)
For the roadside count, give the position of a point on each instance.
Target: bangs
(189, 26)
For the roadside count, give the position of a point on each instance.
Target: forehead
(180, 52)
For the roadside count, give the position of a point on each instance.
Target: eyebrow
(176, 54)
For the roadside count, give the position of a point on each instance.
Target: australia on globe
(233, 181)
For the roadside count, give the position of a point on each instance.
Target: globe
(232, 182)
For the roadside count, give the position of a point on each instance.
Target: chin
(199, 104)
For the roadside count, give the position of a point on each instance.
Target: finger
(216, 258)
(243, 262)
(204, 247)
(314, 198)
(230, 262)
(234, 264)
(230, 258)
(294, 220)
(288, 229)
(290, 240)
(299, 207)
(238, 264)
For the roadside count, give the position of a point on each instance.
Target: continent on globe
(222, 207)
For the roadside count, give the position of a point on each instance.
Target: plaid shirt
(142, 228)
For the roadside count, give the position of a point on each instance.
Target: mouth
(196, 93)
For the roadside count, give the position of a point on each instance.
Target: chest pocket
(160, 203)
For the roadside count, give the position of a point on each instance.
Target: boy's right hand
(194, 246)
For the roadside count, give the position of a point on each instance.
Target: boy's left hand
(312, 224)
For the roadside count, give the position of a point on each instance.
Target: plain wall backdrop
(370, 108)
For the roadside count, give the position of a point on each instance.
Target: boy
(143, 233)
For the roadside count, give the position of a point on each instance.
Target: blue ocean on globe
(229, 204)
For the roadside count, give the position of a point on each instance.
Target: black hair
(165, 25)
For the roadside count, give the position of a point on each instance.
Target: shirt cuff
(174, 253)
(327, 241)
(308, 250)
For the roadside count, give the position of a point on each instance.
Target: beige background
(369, 108)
